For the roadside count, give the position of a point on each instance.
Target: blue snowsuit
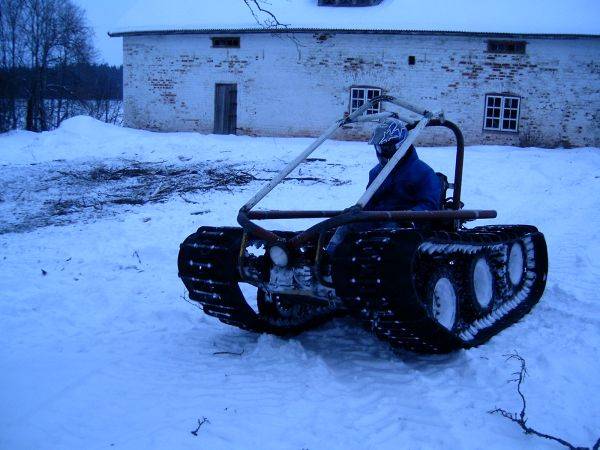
(412, 185)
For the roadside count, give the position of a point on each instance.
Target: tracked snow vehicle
(429, 284)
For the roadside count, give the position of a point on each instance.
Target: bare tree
(105, 109)
(74, 47)
(11, 52)
(42, 35)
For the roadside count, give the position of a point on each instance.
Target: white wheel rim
(516, 262)
(444, 303)
(483, 282)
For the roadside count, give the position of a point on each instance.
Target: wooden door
(225, 108)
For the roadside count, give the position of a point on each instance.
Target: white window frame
(501, 109)
(359, 94)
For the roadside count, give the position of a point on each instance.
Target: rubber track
(370, 273)
(208, 266)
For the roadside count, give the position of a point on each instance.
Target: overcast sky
(103, 15)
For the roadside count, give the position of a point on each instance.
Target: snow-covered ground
(98, 348)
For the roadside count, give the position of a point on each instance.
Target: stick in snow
(521, 418)
(229, 353)
(200, 423)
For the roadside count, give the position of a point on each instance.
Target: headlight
(278, 256)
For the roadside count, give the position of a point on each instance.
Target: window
(412, 60)
(502, 113)
(358, 96)
(507, 47)
(226, 42)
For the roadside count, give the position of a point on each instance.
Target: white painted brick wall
(288, 88)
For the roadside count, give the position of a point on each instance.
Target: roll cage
(356, 213)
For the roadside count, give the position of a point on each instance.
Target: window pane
(502, 113)
(359, 96)
(226, 42)
(510, 47)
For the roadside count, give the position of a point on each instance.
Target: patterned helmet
(387, 137)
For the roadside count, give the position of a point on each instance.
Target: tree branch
(271, 21)
(521, 417)
(230, 353)
(200, 423)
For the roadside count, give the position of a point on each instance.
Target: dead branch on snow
(200, 423)
(521, 418)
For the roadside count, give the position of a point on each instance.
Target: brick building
(531, 89)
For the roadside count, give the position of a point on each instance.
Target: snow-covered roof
(470, 16)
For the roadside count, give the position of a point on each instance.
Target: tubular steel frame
(356, 213)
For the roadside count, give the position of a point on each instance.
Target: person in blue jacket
(412, 185)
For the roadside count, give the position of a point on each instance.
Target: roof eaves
(249, 30)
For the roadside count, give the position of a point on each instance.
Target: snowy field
(99, 349)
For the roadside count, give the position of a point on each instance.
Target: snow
(98, 348)
(508, 16)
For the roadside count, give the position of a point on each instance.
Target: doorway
(225, 108)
